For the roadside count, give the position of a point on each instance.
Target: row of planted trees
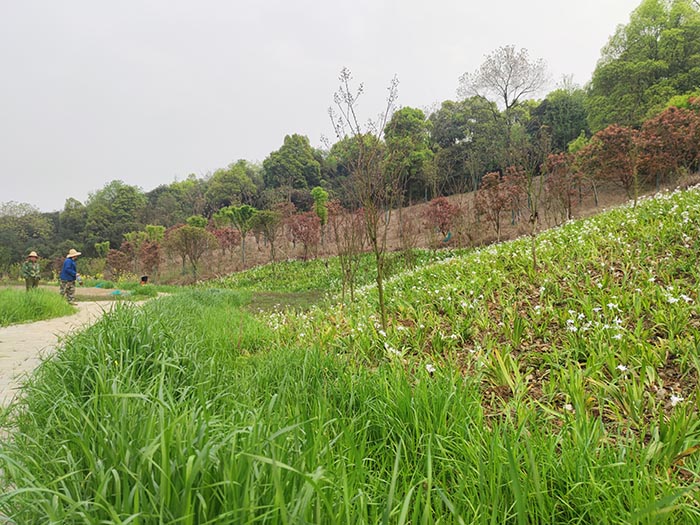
(665, 148)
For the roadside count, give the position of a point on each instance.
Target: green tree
(293, 166)
(72, 220)
(469, 139)
(320, 197)
(112, 211)
(653, 58)
(408, 153)
(22, 227)
(230, 186)
(563, 112)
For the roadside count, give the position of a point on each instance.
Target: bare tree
(507, 75)
(376, 189)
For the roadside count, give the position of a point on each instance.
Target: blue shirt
(69, 271)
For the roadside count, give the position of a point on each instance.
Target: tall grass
(19, 306)
(498, 395)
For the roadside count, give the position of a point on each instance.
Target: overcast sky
(149, 91)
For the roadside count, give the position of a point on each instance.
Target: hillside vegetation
(499, 394)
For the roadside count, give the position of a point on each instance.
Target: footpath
(23, 345)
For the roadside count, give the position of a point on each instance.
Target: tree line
(634, 123)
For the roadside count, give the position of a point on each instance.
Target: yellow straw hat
(32, 254)
(73, 253)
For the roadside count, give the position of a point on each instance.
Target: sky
(150, 91)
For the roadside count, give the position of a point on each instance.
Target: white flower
(430, 368)
(569, 407)
(382, 333)
(675, 400)
(672, 300)
(617, 336)
(622, 368)
(686, 298)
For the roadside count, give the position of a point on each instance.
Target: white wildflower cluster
(578, 322)
(676, 399)
(671, 297)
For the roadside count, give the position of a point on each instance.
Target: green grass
(499, 394)
(20, 306)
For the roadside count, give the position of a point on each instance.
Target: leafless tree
(507, 75)
(376, 189)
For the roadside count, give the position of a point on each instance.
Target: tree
(349, 234)
(230, 186)
(469, 139)
(507, 75)
(492, 199)
(227, 237)
(320, 197)
(293, 166)
(190, 242)
(71, 221)
(670, 143)
(118, 263)
(615, 150)
(441, 214)
(268, 223)
(112, 211)
(563, 113)
(240, 218)
(645, 63)
(306, 229)
(150, 256)
(22, 227)
(376, 189)
(407, 137)
(102, 248)
(561, 185)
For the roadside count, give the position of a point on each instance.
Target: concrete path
(22, 345)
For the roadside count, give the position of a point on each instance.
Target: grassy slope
(19, 306)
(499, 395)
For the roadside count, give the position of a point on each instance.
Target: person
(31, 271)
(69, 274)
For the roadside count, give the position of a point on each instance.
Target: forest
(634, 125)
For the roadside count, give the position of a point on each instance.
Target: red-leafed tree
(515, 181)
(561, 185)
(306, 229)
(228, 238)
(441, 214)
(669, 143)
(150, 256)
(118, 263)
(615, 151)
(492, 199)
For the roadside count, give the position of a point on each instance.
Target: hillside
(499, 393)
(469, 230)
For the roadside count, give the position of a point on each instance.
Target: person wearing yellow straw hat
(69, 274)
(31, 270)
